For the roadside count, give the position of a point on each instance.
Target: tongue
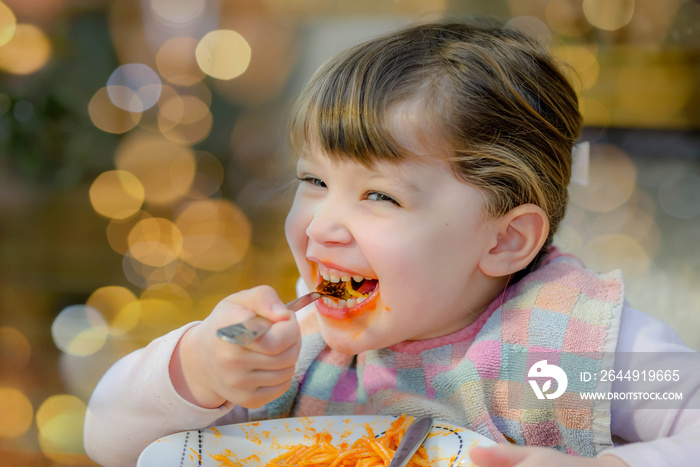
(367, 286)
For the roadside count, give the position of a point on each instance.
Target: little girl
(433, 166)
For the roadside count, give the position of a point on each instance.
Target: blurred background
(144, 175)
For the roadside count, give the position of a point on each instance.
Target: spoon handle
(247, 331)
(411, 441)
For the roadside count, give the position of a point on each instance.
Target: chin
(348, 339)
(347, 347)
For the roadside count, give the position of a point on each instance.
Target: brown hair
(505, 114)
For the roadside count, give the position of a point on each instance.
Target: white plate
(255, 443)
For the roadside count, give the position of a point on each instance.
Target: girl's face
(408, 237)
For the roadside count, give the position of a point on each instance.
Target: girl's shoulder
(640, 332)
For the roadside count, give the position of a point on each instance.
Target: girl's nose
(328, 226)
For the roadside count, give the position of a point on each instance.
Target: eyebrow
(399, 182)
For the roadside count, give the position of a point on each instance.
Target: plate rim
(458, 430)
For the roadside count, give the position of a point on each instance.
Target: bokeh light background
(143, 172)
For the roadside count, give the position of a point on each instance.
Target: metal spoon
(411, 441)
(247, 331)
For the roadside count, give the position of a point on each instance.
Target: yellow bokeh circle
(185, 119)
(223, 54)
(27, 51)
(155, 242)
(118, 305)
(108, 117)
(60, 420)
(165, 169)
(582, 67)
(118, 231)
(8, 24)
(15, 349)
(16, 413)
(117, 194)
(564, 17)
(176, 61)
(609, 15)
(216, 234)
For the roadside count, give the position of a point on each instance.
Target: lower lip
(344, 313)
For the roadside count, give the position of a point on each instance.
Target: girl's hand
(208, 371)
(505, 455)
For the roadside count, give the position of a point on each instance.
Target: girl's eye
(377, 196)
(313, 181)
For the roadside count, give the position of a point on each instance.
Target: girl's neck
(492, 289)
(473, 325)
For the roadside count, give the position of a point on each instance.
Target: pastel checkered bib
(478, 377)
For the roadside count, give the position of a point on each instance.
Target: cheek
(398, 260)
(294, 224)
(295, 230)
(435, 260)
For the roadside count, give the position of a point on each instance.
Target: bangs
(346, 107)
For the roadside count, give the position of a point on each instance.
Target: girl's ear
(518, 237)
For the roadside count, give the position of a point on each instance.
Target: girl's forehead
(407, 126)
(416, 128)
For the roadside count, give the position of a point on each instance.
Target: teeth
(342, 303)
(361, 299)
(328, 276)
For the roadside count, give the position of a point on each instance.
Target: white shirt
(669, 437)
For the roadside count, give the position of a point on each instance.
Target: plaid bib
(475, 377)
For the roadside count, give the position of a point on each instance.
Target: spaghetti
(367, 451)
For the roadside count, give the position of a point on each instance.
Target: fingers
(263, 395)
(279, 339)
(271, 378)
(506, 455)
(250, 375)
(260, 381)
(277, 361)
(263, 301)
(498, 456)
(276, 350)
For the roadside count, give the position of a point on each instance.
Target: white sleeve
(135, 403)
(652, 435)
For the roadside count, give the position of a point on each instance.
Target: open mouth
(346, 292)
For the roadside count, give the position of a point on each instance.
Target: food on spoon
(346, 290)
(334, 289)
